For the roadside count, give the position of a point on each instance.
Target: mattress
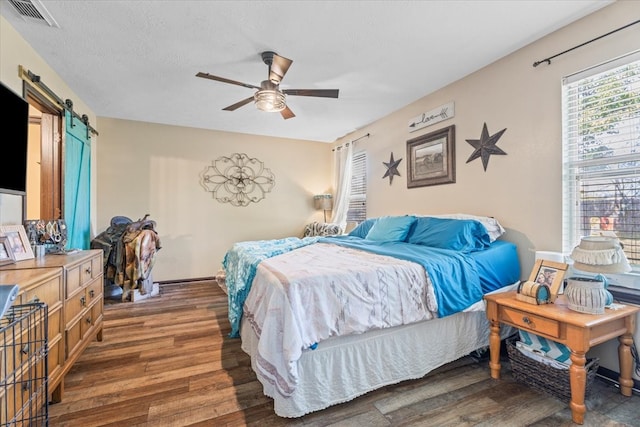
(497, 265)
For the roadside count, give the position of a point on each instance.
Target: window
(358, 195)
(601, 154)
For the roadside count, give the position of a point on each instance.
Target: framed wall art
(432, 158)
(6, 254)
(17, 238)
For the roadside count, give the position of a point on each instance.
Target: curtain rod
(548, 60)
(351, 142)
(66, 104)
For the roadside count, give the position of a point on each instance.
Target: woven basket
(545, 378)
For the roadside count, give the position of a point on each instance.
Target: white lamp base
(586, 295)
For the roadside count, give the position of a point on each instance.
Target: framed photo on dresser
(18, 241)
(6, 254)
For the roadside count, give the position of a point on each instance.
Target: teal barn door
(77, 183)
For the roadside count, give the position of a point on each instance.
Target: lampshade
(323, 201)
(270, 100)
(600, 254)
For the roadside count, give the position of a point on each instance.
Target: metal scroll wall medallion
(238, 179)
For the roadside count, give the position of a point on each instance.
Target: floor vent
(34, 10)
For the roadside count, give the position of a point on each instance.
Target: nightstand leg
(494, 350)
(624, 358)
(578, 380)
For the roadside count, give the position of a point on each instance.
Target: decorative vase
(587, 295)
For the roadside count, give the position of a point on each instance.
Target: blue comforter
(454, 275)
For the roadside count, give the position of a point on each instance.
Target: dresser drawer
(96, 313)
(54, 358)
(22, 340)
(74, 306)
(94, 291)
(530, 322)
(79, 275)
(19, 393)
(96, 266)
(73, 337)
(49, 292)
(55, 325)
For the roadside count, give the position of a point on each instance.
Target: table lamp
(594, 254)
(324, 202)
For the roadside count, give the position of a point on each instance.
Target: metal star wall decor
(485, 146)
(392, 168)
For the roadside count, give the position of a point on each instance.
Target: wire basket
(23, 366)
(545, 378)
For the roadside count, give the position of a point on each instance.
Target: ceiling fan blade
(223, 80)
(287, 113)
(239, 104)
(323, 93)
(279, 68)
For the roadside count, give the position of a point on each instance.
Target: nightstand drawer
(530, 322)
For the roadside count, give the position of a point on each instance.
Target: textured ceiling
(137, 60)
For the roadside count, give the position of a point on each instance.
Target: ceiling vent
(34, 11)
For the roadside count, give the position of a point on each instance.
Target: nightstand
(578, 331)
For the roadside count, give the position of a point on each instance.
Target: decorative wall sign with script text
(432, 117)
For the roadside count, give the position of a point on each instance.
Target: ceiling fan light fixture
(270, 100)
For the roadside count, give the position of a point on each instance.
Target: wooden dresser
(72, 287)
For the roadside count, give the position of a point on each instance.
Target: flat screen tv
(15, 140)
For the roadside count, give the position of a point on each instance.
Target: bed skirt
(343, 368)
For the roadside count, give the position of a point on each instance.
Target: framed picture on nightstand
(543, 284)
(549, 273)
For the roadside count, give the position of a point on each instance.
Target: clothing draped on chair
(129, 254)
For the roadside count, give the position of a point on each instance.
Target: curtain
(342, 160)
(77, 174)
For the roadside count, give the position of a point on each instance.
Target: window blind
(358, 196)
(601, 154)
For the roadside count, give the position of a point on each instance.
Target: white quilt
(305, 296)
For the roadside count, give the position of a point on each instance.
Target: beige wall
(524, 188)
(155, 169)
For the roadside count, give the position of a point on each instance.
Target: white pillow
(494, 228)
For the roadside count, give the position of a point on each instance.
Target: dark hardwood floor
(167, 361)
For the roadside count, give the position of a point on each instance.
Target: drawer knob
(83, 301)
(35, 299)
(88, 320)
(526, 320)
(92, 293)
(88, 270)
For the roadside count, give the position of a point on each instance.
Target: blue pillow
(391, 228)
(363, 228)
(465, 235)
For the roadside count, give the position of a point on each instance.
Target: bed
(327, 319)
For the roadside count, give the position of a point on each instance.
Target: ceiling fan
(269, 97)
